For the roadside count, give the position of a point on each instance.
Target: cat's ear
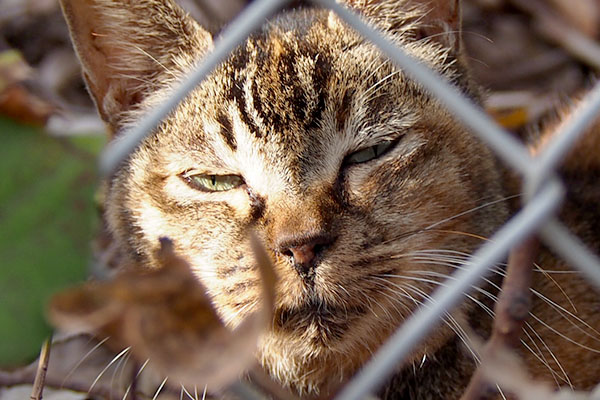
(441, 22)
(129, 49)
(438, 20)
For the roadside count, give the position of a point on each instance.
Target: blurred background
(529, 55)
(50, 136)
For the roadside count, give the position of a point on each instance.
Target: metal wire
(537, 215)
(571, 248)
(506, 146)
(564, 139)
(419, 325)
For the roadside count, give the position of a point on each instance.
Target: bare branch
(511, 310)
(40, 375)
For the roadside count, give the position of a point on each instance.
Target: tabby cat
(365, 190)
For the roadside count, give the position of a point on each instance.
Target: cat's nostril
(304, 254)
(304, 250)
(287, 253)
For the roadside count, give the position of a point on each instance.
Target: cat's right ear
(129, 49)
(435, 20)
(441, 22)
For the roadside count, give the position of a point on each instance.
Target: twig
(511, 310)
(40, 375)
(26, 378)
(7, 379)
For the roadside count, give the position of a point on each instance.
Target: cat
(366, 191)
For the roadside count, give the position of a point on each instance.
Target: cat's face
(352, 175)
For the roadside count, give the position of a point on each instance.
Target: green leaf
(47, 220)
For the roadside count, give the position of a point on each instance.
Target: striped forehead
(295, 93)
(274, 93)
(279, 82)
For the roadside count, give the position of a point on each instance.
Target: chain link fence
(543, 191)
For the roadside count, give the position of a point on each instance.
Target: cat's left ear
(441, 22)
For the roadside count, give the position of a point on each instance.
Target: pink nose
(304, 251)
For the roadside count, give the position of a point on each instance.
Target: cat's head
(366, 191)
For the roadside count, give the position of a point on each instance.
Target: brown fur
(284, 112)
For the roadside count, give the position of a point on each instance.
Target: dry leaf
(515, 109)
(165, 315)
(16, 100)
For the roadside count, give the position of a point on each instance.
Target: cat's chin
(315, 347)
(308, 367)
(320, 324)
(312, 347)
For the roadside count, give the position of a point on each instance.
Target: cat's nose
(305, 251)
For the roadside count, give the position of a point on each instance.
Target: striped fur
(284, 112)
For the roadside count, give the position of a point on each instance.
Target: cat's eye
(369, 153)
(214, 183)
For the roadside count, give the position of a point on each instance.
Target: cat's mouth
(324, 322)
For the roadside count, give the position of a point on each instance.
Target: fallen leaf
(17, 101)
(166, 316)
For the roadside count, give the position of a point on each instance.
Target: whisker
(563, 312)
(537, 352)
(83, 359)
(160, 388)
(394, 299)
(473, 235)
(454, 326)
(549, 277)
(186, 392)
(448, 319)
(137, 375)
(120, 366)
(474, 209)
(557, 307)
(443, 221)
(565, 376)
(562, 335)
(115, 359)
(539, 356)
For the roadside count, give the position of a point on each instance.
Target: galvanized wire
(572, 250)
(505, 145)
(564, 140)
(416, 328)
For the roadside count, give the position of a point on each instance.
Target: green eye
(214, 183)
(369, 153)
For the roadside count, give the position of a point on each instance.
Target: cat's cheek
(356, 187)
(152, 223)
